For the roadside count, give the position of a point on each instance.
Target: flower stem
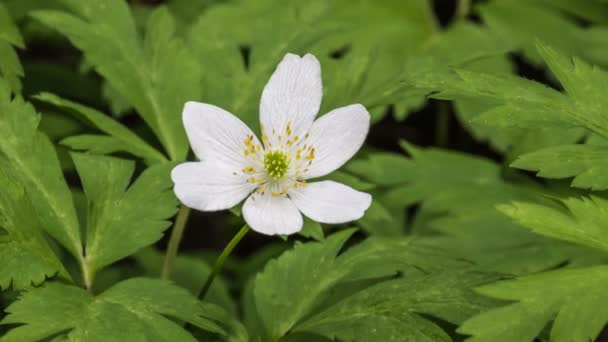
(219, 262)
(174, 241)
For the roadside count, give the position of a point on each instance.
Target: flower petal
(293, 94)
(209, 186)
(272, 215)
(336, 137)
(330, 202)
(216, 135)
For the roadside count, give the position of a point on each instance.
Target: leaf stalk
(174, 241)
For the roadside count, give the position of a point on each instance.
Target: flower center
(276, 164)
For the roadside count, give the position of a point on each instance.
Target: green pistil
(276, 164)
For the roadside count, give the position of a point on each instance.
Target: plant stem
(462, 8)
(174, 241)
(219, 262)
(87, 277)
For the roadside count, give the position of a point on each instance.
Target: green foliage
(575, 298)
(586, 163)
(313, 279)
(119, 137)
(10, 67)
(37, 167)
(122, 220)
(25, 255)
(190, 273)
(515, 97)
(460, 204)
(156, 73)
(553, 21)
(583, 223)
(391, 310)
(453, 244)
(134, 310)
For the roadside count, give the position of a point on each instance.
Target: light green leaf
(120, 137)
(514, 21)
(157, 75)
(189, 272)
(515, 98)
(301, 274)
(25, 256)
(312, 229)
(35, 161)
(230, 83)
(390, 311)
(594, 11)
(458, 194)
(123, 219)
(575, 298)
(134, 310)
(588, 164)
(10, 67)
(583, 223)
(382, 168)
(299, 282)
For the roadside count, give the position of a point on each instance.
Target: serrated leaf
(26, 258)
(133, 310)
(515, 98)
(297, 283)
(391, 310)
(583, 223)
(35, 161)
(588, 164)
(157, 75)
(306, 269)
(123, 219)
(575, 298)
(119, 138)
(235, 86)
(458, 195)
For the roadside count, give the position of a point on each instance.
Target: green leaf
(25, 256)
(312, 229)
(134, 310)
(189, 272)
(157, 74)
(123, 219)
(391, 310)
(299, 282)
(119, 138)
(583, 223)
(231, 84)
(35, 161)
(306, 269)
(588, 164)
(460, 205)
(367, 35)
(515, 98)
(10, 67)
(575, 298)
(514, 20)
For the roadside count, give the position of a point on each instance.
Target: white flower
(272, 175)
